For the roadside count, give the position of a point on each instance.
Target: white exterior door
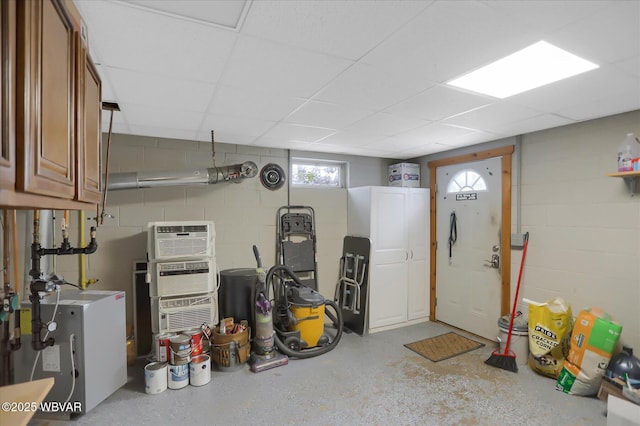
(469, 215)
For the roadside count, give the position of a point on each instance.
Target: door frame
(506, 153)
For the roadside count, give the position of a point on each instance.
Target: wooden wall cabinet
(57, 111)
(88, 129)
(7, 94)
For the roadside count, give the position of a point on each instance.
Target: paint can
(155, 377)
(180, 349)
(162, 347)
(196, 341)
(178, 376)
(200, 370)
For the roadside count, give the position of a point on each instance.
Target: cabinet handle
(406, 255)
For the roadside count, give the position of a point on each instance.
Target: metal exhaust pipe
(208, 176)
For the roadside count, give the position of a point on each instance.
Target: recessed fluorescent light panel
(534, 66)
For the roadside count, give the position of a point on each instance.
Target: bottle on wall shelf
(628, 150)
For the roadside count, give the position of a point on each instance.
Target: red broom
(507, 359)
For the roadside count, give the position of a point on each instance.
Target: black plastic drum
(237, 294)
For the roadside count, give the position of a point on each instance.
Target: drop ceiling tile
(422, 150)
(343, 28)
(152, 116)
(287, 132)
(283, 144)
(384, 124)
(230, 129)
(629, 66)
(472, 138)
(325, 114)
(448, 39)
(491, 117)
(162, 132)
(132, 38)
(533, 124)
(614, 103)
(371, 87)
(580, 89)
(592, 38)
(546, 16)
(347, 139)
(394, 143)
(430, 134)
(226, 13)
(372, 152)
(256, 104)
(258, 64)
(154, 90)
(437, 103)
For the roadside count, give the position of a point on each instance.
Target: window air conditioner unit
(183, 313)
(176, 240)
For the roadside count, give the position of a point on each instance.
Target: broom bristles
(504, 361)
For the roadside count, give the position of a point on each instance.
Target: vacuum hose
(281, 301)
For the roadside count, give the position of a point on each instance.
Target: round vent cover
(272, 176)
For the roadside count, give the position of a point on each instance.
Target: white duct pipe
(208, 176)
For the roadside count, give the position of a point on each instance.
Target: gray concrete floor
(372, 380)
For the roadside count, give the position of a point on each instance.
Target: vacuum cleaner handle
(256, 253)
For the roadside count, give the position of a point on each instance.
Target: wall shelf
(630, 178)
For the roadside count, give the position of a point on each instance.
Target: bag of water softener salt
(549, 331)
(593, 340)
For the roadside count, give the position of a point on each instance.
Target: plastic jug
(628, 150)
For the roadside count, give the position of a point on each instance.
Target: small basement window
(317, 173)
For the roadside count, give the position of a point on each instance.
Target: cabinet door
(7, 94)
(45, 100)
(389, 273)
(88, 105)
(418, 224)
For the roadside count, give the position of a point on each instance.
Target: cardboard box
(405, 175)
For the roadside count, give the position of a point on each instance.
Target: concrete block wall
(244, 213)
(584, 226)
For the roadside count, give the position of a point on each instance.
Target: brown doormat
(444, 346)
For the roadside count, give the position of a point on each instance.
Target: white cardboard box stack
(405, 175)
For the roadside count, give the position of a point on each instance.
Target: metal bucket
(178, 376)
(155, 377)
(200, 370)
(180, 349)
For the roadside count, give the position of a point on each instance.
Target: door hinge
(436, 302)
